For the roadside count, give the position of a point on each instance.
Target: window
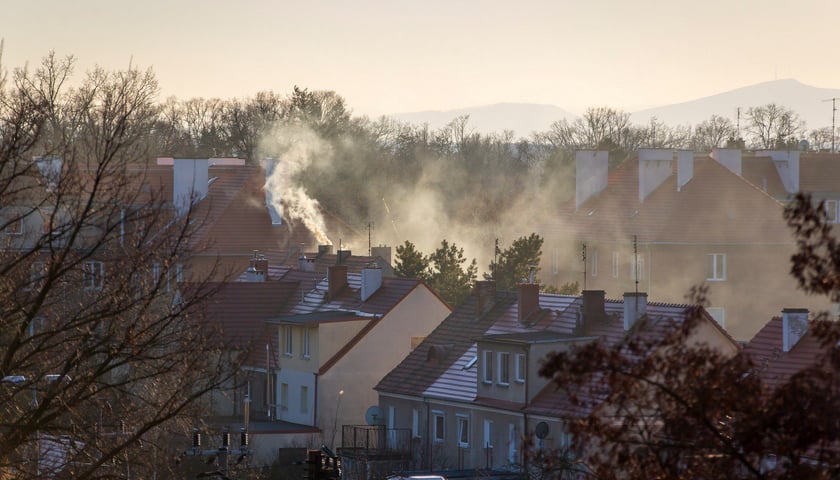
(718, 314)
(716, 267)
(615, 264)
(831, 210)
(155, 272)
(520, 367)
(415, 423)
(463, 431)
(93, 277)
(439, 425)
(488, 434)
(284, 396)
(637, 269)
(14, 227)
(287, 341)
(179, 272)
(487, 367)
(555, 262)
(304, 343)
(593, 263)
(504, 368)
(36, 275)
(304, 399)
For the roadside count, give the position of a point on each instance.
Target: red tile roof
(775, 365)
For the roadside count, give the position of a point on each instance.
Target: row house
(471, 392)
(670, 220)
(316, 344)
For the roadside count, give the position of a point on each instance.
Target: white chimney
(50, 169)
(654, 168)
(635, 305)
(273, 182)
(189, 182)
(794, 326)
(371, 281)
(787, 166)
(591, 168)
(685, 168)
(729, 158)
(306, 264)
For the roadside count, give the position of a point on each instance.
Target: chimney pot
(528, 300)
(336, 279)
(592, 307)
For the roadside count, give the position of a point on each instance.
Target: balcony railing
(375, 440)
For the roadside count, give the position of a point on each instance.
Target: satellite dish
(541, 429)
(374, 416)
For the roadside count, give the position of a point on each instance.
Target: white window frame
(463, 430)
(288, 341)
(504, 368)
(36, 274)
(304, 399)
(718, 314)
(438, 431)
(832, 209)
(284, 396)
(521, 369)
(718, 264)
(616, 265)
(304, 343)
(415, 423)
(555, 261)
(93, 275)
(156, 267)
(487, 366)
(593, 263)
(488, 433)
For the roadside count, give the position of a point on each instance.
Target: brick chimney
(371, 281)
(794, 326)
(591, 169)
(635, 305)
(528, 299)
(336, 279)
(654, 168)
(342, 255)
(485, 293)
(257, 268)
(324, 250)
(592, 308)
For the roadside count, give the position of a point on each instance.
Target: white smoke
(296, 149)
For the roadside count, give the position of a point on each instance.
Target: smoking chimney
(794, 326)
(324, 250)
(591, 168)
(272, 197)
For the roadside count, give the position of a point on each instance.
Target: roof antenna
(636, 266)
(583, 259)
(370, 228)
(833, 109)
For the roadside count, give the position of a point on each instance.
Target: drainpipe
(315, 405)
(525, 413)
(428, 434)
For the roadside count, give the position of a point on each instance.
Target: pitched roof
(775, 366)
(715, 206)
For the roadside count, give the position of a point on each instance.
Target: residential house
(470, 392)
(671, 220)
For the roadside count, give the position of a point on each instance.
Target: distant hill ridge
(525, 118)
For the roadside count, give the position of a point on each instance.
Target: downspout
(525, 408)
(650, 269)
(315, 406)
(428, 434)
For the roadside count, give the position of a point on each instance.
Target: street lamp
(335, 418)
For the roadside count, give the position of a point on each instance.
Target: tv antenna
(833, 101)
(583, 259)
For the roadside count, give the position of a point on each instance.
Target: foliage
(450, 274)
(102, 351)
(568, 288)
(517, 262)
(666, 406)
(410, 263)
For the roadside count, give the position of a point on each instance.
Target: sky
(391, 56)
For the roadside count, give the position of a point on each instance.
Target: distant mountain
(522, 118)
(803, 99)
(526, 118)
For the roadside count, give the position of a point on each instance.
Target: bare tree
(712, 133)
(774, 126)
(102, 354)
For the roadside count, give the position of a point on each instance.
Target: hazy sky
(393, 56)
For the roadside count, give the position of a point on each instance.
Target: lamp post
(335, 418)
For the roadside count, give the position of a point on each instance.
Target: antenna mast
(636, 263)
(738, 121)
(495, 259)
(583, 259)
(833, 110)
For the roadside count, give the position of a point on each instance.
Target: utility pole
(833, 110)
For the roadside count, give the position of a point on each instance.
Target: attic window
(471, 363)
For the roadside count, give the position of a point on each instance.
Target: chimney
(794, 326)
(371, 281)
(654, 168)
(787, 166)
(635, 305)
(324, 250)
(592, 308)
(189, 182)
(257, 269)
(729, 158)
(485, 293)
(342, 255)
(685, 168)
(591, 168)
(273, 181)
(528, 299)
(383, 252)
(50, 169)
(336, 279)
(306, 264)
